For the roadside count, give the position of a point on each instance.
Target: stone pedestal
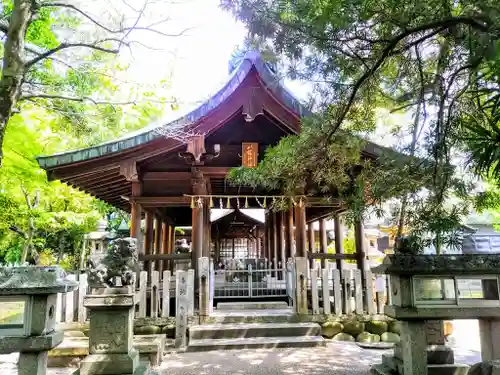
(421, 351)
(182, 265)
(110, 334)
(489, 332)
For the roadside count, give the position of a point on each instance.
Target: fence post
(325, 289)
(370, 307)
(380, 289)
(143, 284)
(314, 291)
(155, 303)
(165, 306)
(59, 308)
(358, 292)
(337, 293)
(346, 274)
(212, 287)
(291, 282)
(181, 302)
(249, 281)
(69, 314)
(190, 291)
(301, 285)
(389, 290)
(82, 292)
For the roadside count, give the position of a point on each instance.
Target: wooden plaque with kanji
(250, 152)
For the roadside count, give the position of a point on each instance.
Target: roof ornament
(196, 153)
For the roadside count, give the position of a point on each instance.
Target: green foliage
(437, 60)
(67, 100)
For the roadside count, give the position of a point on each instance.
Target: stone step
(396, 366)
(224, 306)
(381, 369)
(248, 330)
(256, 343)
(255, 316)
(73, 349)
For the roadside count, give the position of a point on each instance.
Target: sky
(196, 63)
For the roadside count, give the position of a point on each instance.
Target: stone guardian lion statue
(121, 260)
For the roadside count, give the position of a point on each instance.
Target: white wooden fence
(160, 292)
(342, 294)
(333, 291)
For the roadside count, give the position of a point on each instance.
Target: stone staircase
(254, 325)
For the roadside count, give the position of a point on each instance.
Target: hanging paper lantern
(211, 202)
(192, 202)
(265, 204)
(228, 203)
(246, 202)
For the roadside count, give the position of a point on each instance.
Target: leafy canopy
(436, 60)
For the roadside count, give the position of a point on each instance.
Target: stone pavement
(339, 358)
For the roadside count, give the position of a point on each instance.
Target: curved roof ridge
(151, 131)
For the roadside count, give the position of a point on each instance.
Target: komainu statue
(182, 247)
(119, 261)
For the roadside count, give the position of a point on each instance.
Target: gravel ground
(337, 358)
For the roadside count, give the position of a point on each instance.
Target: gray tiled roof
(150, 132)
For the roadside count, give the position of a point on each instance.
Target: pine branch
(440, 24)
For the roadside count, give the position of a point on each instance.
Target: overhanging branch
(440, 24)
(63, 46)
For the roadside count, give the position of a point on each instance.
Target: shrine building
(174, 181)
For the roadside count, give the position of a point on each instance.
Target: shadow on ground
(337, 358)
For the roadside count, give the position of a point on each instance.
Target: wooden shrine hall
(174, 181)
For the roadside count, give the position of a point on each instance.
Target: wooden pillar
(271, 238)
(274, 230)
(257, 243)
(281, 239)
(197, 239)
(165, 229)
(135, 225)
(148, 241)
(206, 228)
(359, 240)
(323, 241)
(265, 242)
(300, 229)
(339, 240)
(171, 245)
(311, 242)
(157, 243)
(289, 236)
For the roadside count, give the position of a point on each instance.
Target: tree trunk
(13, 63)
(413, 146)
(27, 248)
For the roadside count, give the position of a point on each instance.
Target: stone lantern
(33, 292)
(426, 289)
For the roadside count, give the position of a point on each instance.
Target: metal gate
(251, 282)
